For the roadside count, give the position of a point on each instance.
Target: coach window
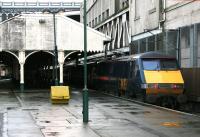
(136, 69)
(111, 68)
(126, 69)
(132, 68)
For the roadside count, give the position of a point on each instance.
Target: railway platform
(31, 114)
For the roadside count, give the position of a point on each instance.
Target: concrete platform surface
(31, 114)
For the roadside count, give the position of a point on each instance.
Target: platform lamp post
(55, 60)
(55, 51)
(85, 90)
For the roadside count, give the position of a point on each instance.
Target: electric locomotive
(151, 77)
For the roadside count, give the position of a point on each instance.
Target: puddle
(4, 93)
(106, 101)
(107, 105)
(46, 121)
(192, 124)
(127, 108)
(122, 105)
(11, 108)
(30, 109)
(140, 112)
(53, 133)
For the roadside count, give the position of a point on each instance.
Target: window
(96, 21)
(43, 4)
(55, 4)
(185, 37)
(159, 64)
(92, 23)
(31, 3)
(19, 4)
(125, 4)
(103, 16)
(152, 6)
(137, 9)
(99, 18)
(151, 43)
(151, 65)
(168, 64)
(134, 47)
(6, 3)
(107, 13)
(67, 3)
(142, 45)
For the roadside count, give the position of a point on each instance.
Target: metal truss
(117, 27)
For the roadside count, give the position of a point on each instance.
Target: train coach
(151, 77)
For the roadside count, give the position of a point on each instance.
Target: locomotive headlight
(177, 86)
(154, 86)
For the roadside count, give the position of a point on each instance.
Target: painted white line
(5, 124)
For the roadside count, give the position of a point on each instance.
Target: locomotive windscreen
(159, 64)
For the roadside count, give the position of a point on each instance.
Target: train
(149, 77)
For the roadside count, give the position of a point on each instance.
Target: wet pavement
(31, 114)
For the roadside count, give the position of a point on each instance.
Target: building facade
(137, 26)
(168, 26)
(112, 18)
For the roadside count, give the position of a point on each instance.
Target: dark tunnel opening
(9, 71)
(38, 71)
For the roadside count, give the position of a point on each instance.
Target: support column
(61, 59)
(22, 62)
(61, 74)
(22, 77)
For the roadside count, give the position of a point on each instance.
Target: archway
(9, 70)
(38, 70)
(73, 68)
(72, 71)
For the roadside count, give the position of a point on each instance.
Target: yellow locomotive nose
(164, 82)
(163, 77)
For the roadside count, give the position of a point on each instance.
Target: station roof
(36, 32)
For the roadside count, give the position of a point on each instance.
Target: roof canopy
(36, 32)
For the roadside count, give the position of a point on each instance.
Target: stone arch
(70, 54)
(12, 54)
(37, 52)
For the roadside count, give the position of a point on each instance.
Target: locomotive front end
(163, 81)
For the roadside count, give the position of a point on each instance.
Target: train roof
(147, 55)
